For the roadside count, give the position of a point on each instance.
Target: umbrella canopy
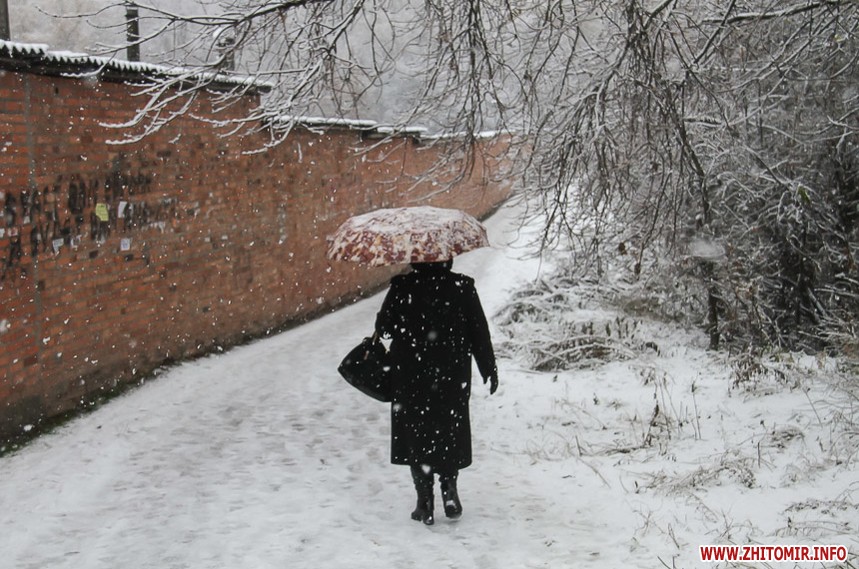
(402, 235)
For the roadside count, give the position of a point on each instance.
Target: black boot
(423, 485)
(449, 495)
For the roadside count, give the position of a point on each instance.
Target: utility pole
(5, 32)
(132, 32)
(225, 41)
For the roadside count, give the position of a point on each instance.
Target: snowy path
(264, 458)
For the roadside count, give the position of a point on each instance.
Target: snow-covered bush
(719, 139)
(561, 323)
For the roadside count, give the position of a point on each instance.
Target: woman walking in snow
(436, 323)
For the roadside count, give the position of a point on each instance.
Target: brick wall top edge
(38, 59)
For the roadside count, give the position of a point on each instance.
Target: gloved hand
(492, 380)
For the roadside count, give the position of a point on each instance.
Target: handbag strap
(374, 339)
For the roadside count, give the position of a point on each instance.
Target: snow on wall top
(372, 128)
(23, 48)
(74, 64)
(82, 64)
(355, 124)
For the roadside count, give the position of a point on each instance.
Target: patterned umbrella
(406, 235)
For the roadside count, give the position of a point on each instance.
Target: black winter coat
(436, 324)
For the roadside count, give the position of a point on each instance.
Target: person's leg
(449, 494)
(422, 476)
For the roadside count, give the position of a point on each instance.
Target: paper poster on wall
(101, 212)
(125, 244)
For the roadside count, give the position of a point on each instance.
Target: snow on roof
(356, 124)
(374, 128)
(368, 127)
(83, 64)
(406, 130)
(481, 135)
(23, 48)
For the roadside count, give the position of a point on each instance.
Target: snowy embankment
(264, 458)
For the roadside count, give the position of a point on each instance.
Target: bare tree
(720, 136)
(713, 140)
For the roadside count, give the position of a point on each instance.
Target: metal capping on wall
(38, 58)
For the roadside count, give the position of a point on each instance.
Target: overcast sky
(79, 25)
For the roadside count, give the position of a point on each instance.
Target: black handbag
(367, 367)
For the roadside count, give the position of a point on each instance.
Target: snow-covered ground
(264, 458)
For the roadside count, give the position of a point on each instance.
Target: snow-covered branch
(782, 12)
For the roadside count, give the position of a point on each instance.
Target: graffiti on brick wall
(74, 209)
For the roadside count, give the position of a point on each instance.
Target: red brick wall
(115, 258)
